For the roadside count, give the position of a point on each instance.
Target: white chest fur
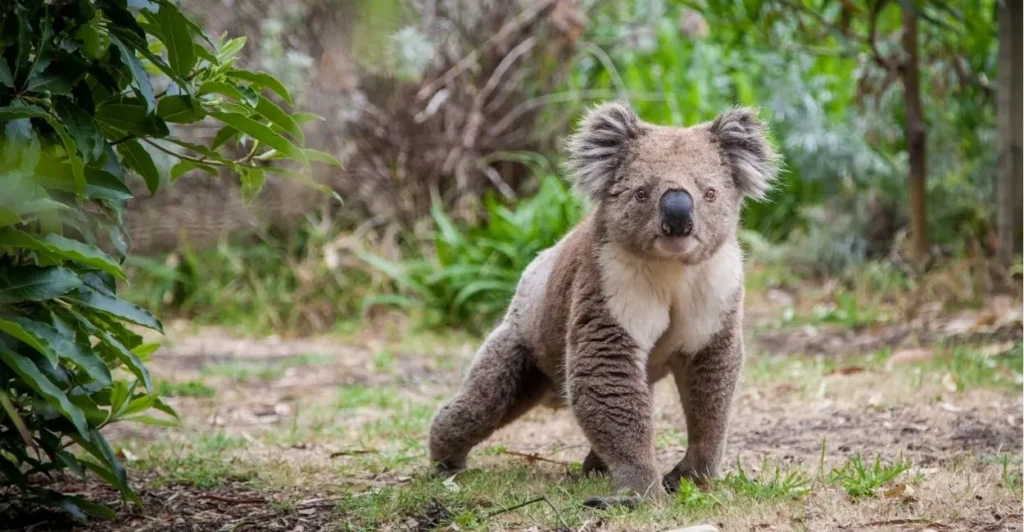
(701, 302)
(639, 294)
(671, 308)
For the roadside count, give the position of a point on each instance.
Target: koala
(648, 284)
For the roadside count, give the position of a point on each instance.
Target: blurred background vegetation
(903, 169)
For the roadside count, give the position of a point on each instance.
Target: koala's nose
(677, 213)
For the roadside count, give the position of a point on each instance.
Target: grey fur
(613, 308)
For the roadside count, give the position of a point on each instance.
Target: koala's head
(671, 193)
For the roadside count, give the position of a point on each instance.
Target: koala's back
(539, 311)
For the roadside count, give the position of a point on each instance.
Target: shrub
(470, 275)
(87, 89)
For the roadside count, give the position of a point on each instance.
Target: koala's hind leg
(503, 383)
(707, 382)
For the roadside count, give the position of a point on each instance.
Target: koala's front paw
(447, 468)
(604, 503)
(671, 479)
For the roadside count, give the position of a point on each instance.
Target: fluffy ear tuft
(743, 140)
(599, 146)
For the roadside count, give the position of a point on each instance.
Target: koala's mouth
(678, 245)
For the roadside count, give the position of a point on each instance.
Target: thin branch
(527, 17)
(527, 503)
(178, 155)
(532, 457)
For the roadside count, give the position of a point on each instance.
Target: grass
(861, 479)
(192, 388)
(240, 371)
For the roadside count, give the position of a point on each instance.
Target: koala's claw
(604, 503)
(443, 470)
(671, 479)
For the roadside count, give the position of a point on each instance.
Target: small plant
(692, 497)
(471, 274)
(861, 479)
(90, 91)
(775, 485)
(185, 389)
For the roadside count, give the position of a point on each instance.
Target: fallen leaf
(949, 382)
(950, 407)
(848, 370)
(904, 356)
(450, 485)
(898, 491)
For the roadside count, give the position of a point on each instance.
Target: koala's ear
(599, 146)
(742, 138)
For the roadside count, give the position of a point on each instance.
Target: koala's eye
(710, 194)
(641, 194)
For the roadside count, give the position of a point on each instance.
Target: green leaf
(252, 182)
(263, 134)
(21, 111)
(262, 79)
(111, 469)
(139, 404)
(278, 117)
(225, 134)
(77, 166)
(133, 117)
(154, 421)
(99, 184)
(138, 72)
(186, 166)
(81, 353)
(303, 117)
(6, 78)
(182, 109)
(63, 248)
(318, 156)
(78, 507)
(224, 89)
(126, 357)
(81, 126)
(230, 49)
(17, 328)
(32, 283)
(31, 376)
(138, 159)
(176, 36)
(118, 308)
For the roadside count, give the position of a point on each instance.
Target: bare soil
(805, 415)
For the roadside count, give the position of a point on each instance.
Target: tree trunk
(915, 134)
(1008, 140)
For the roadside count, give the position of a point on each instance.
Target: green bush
(470, 274)
(87, 89)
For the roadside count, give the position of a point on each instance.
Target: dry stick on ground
(255, 500)
(527, 503)
(353, 452)
(534, 457)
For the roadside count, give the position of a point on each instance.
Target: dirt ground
(327, 433)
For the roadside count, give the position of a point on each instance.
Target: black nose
(677, 213)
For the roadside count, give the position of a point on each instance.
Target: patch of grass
(384, 362)
(251, 370)
(361, 396)
(767, 486)
(972, 369)
(181, 464)
(691, 497)
(1011, 477)
(217, 442)
(861, 479)
(185, 389)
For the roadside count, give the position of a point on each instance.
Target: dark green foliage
(471, 274)
(88, 90)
